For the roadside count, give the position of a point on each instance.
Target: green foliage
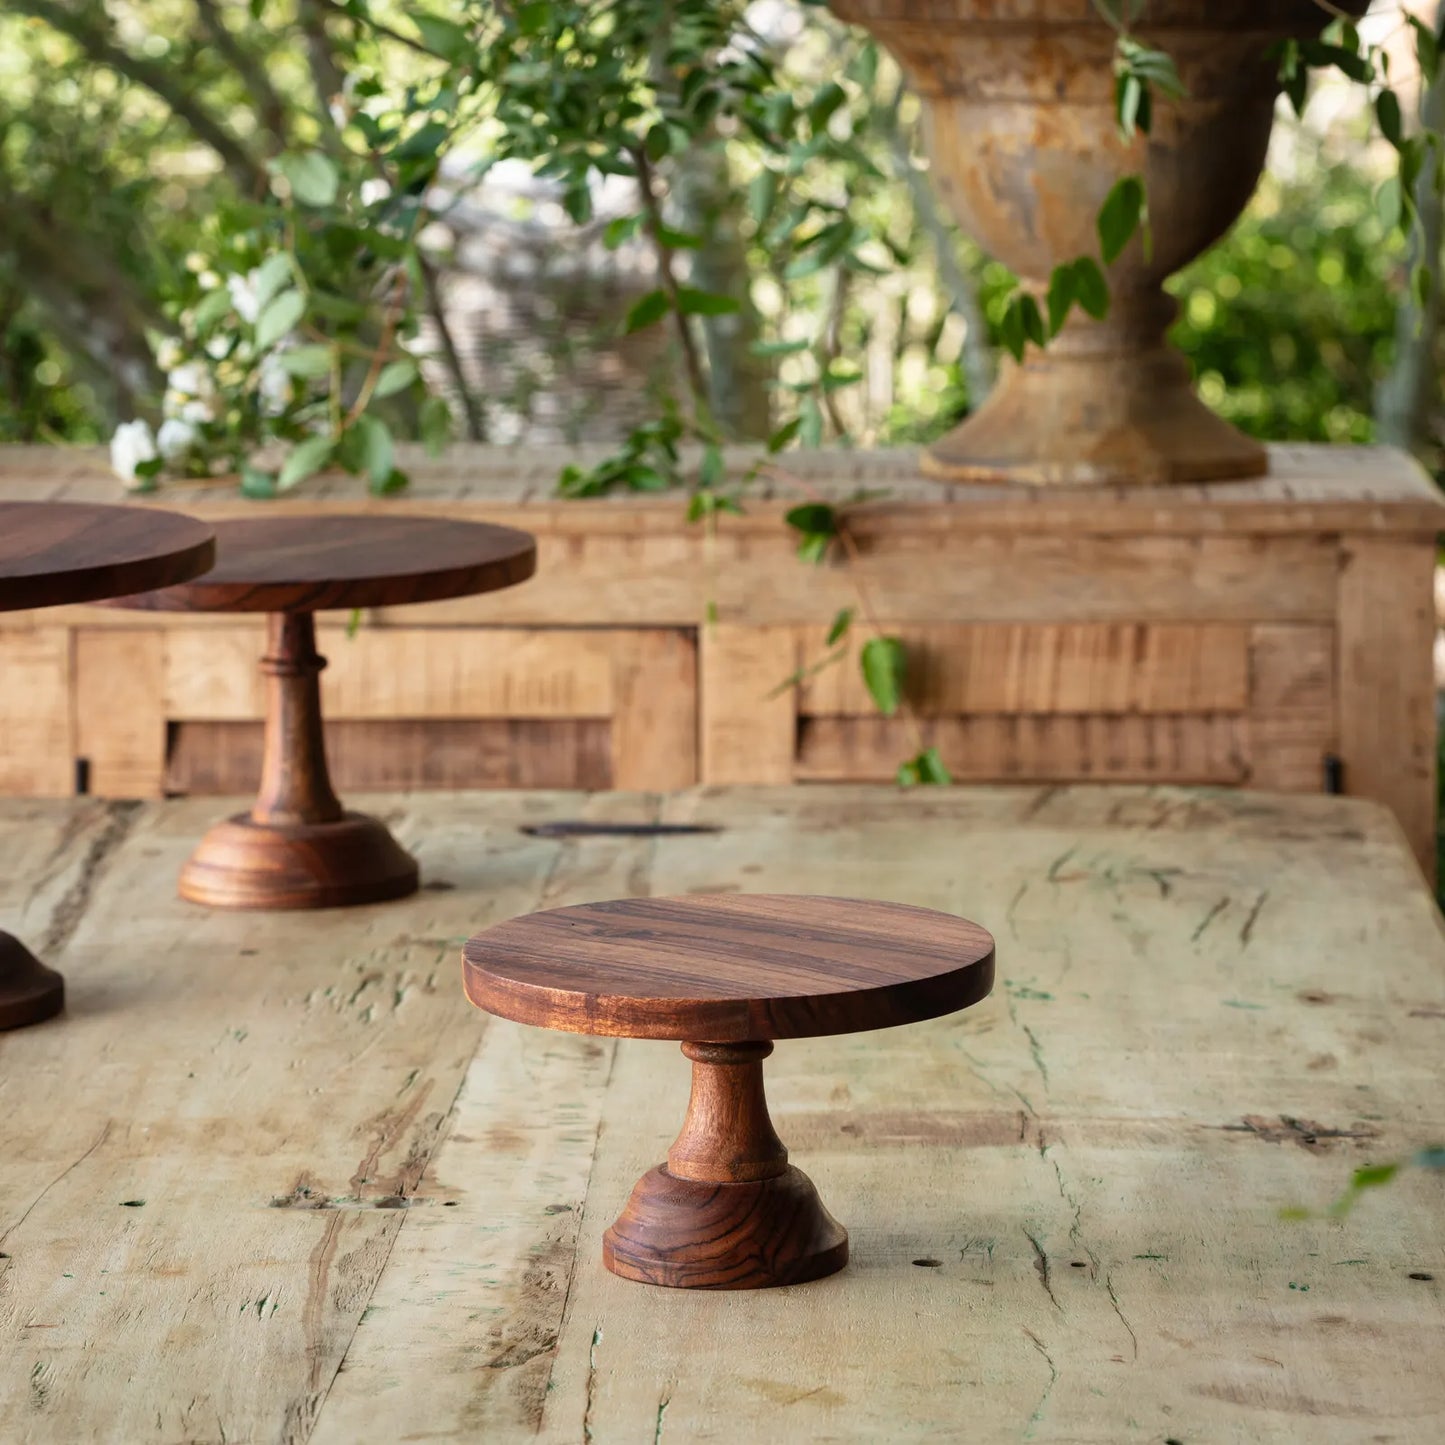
(1290, 322)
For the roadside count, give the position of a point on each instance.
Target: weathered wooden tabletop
(271, 1178)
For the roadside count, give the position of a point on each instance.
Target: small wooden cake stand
(53, 553)
(297, 847)
(727, 975)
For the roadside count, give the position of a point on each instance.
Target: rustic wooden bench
(271, 1178)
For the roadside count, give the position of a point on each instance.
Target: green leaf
(1427, 49)
(257, 484)
(306, 459)
(784, 435)
(1387, 112)
(620, 229)
(312, 176)
(1120, 216)
(1372, 1176)
(435, 424)
(1129, 94)
(279, 318)
(712, 468)
(678, 240)
(271, 275)
(307, 361)
(692, 302)
(884, 662)
(395, 376)
(1063, 291)
(1033, 320)
(810, 417)
(927, 768)
(443, 37)
(779, 348)
(762, 190)
(813, 519)
(1011, 329)
(839, 630)
(827, 100)
(395, 480)
(424, 142)
(645, 312)
(1091, 290)
(814, 547)
(1389, 202)
(376, 447)
(212, 307)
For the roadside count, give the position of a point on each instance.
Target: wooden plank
(1049, 668)
(1386, 639)
(655, 717)
(232, 1165)
(1137, 748)
(746, 722)
(1309, 489)
(119, 699)
(402, 673)
(225, 758)
(920, 575)
(1291, 669)
(1293, 725)
(37, 727)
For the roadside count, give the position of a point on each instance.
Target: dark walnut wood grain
(726, 975)
(735, 967)
(298, 847)
(313, 564)
(54, 553)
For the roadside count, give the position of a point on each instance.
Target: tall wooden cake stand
(298, 847)
(726, 975)
(53, 553)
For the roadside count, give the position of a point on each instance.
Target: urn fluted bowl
(1020, 122)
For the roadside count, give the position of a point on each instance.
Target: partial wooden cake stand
(53, 553)
(726, 975)
(298, 847)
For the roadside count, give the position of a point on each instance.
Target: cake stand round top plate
(311, 563)
(729, 968)
(54, 553)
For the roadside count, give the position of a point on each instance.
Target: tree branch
(102, 47)
(476, 422)
(269, 106)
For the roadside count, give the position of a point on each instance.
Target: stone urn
(1020, 121)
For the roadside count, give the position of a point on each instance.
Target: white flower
(273, 385)
(245, 296)
(176, 438)
(131, 445)
(374, 189)
(197, 411)
(190, 379)
(168, 353)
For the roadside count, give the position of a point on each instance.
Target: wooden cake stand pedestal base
(30, 993)
(727, 1210)
(297, 847)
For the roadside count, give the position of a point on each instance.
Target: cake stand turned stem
(727, 1136)
(295, 783)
